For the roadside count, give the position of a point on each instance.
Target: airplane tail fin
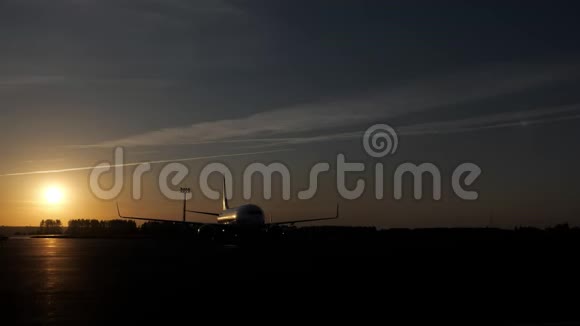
(225, 197)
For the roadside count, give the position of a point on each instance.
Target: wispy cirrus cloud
(480, 123)
(198, 6)
(495, 121)
(54, 160)
(18, 81)
(321, 117)
(179, 12)
(188, 159)
(31, 80)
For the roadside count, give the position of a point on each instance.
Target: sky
(493, 83)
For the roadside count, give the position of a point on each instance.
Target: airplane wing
(151, 219)
(205, 213)
(308, 220)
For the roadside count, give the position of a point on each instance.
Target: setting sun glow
(54, 195)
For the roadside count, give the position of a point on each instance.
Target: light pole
(184, 191)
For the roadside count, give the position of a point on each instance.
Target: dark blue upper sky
(161, 76)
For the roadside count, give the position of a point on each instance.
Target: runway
(102, 281)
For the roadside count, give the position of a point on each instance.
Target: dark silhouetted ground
(469, 276)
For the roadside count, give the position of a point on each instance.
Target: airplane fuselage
(249, 214)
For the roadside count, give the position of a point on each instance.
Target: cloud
(87, 168)
(202, 6)
(423, 95)
(494, 121)
(31, 80)
(485, 122)
(181, 12)
(293, 120)
(68, 80)
(54, 160)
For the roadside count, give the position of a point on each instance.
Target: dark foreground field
(465, 276)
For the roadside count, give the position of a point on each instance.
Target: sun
(54, 195)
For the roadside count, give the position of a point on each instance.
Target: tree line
(50, 227)
(88, 227)
(96, 227)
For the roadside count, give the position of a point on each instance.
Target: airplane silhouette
(245, 216)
